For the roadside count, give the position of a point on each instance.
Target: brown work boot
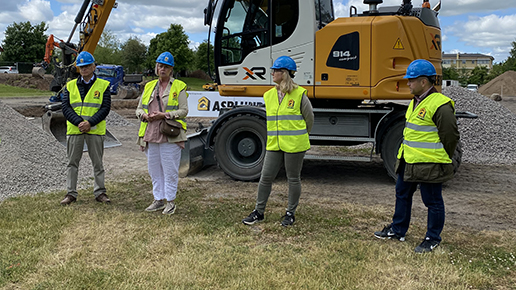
(68, 200)
(102, 198)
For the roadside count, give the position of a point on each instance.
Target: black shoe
(288, 219)
(427, 245)
(254, 217)
(388, 233)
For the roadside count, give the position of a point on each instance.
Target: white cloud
(491, 33)
(36, 11)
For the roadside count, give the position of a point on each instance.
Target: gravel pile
(490, 138)
(32, 160)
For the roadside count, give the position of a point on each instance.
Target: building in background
(467, 60)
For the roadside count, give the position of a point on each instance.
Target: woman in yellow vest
(289, 121)
(425, 156)
(165, 98)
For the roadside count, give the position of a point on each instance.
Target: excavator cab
(365, 54)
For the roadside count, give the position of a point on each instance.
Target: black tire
(391, 142)
(240, 147)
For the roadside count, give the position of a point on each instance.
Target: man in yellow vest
(86, 104)
(425, 156)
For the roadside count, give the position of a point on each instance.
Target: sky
(467, 26)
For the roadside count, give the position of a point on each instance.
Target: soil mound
(27, 81)
(504, 84)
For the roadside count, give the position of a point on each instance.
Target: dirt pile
(26, 81)
(504, 84)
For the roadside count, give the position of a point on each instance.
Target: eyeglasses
(274, 70)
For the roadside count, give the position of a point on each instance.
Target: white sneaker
(155, 206)
(170, 208)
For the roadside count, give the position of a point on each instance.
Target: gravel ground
(32, 161)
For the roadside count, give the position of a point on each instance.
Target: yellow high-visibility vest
(421, 143)
(172, 104)
(286, 128)
(87, 108)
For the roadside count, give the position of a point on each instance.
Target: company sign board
(209, 104)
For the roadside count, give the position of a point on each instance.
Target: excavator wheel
(240, 147)
(390, 145)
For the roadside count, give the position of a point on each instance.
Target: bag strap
(158, 98)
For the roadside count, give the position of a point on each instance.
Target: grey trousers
(74, 150)
(272, 163)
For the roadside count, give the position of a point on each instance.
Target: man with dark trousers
(425, 156)
(86, 104)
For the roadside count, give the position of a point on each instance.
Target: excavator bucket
(195, 156)
(54, 123)
(126, 92)
(38, 71)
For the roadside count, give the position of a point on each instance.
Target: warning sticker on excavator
(398, 44)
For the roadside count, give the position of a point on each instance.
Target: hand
(156, 115)
(84, 126)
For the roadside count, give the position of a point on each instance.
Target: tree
(133, 55)
(175, 41)
(108, 49)
(201, 58)
(450, 73)
(478, 75)
(24, 42)
(510, 62)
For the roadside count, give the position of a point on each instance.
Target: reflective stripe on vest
(172, 104)
(87, 108)
(286, 128)
(421, 143)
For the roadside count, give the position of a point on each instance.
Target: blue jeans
(431, 194)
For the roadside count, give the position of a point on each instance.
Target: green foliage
(108, 49)
(201, 58)
(175, 41)
(24, 42)
(478, 75)
(133, 55)
(450, 73)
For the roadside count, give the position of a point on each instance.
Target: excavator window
(323, 12)
(246, 26)
(285, 16)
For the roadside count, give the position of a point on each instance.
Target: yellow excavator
(352, 67)
(91, 20)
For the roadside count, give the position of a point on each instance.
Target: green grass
(204, 246)
(10, 91)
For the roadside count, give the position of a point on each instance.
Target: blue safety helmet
(166, 58)
(420, 67)
(284, 62)
(84, 58)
